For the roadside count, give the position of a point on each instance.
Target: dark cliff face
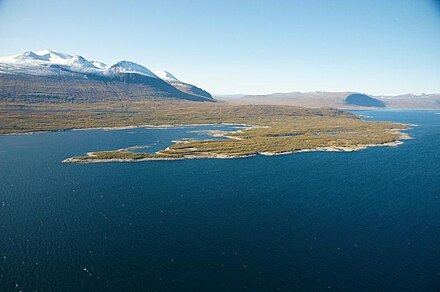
(88, 88)
(363, 100)
(198, 91)
(191, 89)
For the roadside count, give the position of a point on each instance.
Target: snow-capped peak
(52, 55)
(27, 56)
(129, 67)
(46, 62)
(166, 76)
(50, 62)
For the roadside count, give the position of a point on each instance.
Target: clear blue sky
(374, 46)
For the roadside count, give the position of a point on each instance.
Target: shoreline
(146, 126)
(223, 156)
(162, 126)
(351, 148)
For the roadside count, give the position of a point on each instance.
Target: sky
(254, 47)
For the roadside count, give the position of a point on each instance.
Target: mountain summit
(48, 75)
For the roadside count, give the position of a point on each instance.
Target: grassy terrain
(28, 117)
(279, 129)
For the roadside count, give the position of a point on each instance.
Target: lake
(358, 221)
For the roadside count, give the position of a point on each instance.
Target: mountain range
(344, 100)
(48, 75)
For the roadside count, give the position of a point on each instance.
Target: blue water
(360, 221)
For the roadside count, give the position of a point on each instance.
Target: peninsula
(272, 130)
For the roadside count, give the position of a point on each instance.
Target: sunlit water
(361, 221)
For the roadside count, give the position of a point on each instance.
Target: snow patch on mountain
(99, 65)
(124, 67)
(169, 78)
(166, 76)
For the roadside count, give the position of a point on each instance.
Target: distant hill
(360, 99)
(53, 76)
(338, 100)
(307, 99)
(229, 96)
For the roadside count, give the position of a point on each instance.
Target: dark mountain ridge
(32, 88)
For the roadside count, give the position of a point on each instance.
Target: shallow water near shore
(357, 221)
